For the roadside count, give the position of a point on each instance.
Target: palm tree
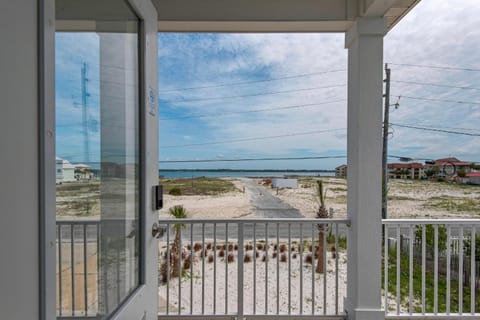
(178, 212)
(322, 213)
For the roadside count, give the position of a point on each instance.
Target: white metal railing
(431, 269)
(252, 268)
(77, 267)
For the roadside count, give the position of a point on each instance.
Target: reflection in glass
(98, 157)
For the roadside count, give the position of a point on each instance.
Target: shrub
(235, 247)
(248, 247)
(283, 248)
(209, 246)
(283, 257)
(274, 254)
(197, 247)
(259, 246)
(308, 258)
(294, 256)
(221, 253)
(247, 258)
(256, 254)
(264, 258)
(230, 247)
(186, 263)
(175, 191)
(230, 258)
(210, 258)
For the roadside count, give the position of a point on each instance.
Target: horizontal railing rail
(431, 268)
(253, 267)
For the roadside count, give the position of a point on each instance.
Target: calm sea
(239, 174)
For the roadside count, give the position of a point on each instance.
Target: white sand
(229, 205)
(229, 297)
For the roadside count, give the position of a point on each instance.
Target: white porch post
(365, 58)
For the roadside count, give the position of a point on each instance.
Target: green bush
(175, 191)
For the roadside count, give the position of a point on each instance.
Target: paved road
(268, 206)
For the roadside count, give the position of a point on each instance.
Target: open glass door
(107, 158)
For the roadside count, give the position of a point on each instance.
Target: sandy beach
(407, 199)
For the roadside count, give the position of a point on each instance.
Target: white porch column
(365, 59)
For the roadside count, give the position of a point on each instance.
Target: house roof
(449, 161)
(414, 165)
(341, 167)
(473, 174)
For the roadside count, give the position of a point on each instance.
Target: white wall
(19, 205)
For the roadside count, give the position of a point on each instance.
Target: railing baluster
(423, 266)
(240, 272)
(254, 268)
(277, 251)
(265, 249)
(324, 253)
(398, 269)
(72, 260)
(289, 268)
(435, 285)
(60, 271)
(385, 262)
(179, 252)
(191, 267)
(214, 268)
(336, 268)
(313, 267)
(410, 270)
(168, 269)
(301, 267)
(472, 270)
(226, 269)
(449, 245)
(203, 255)
(460, 272)
(85, 291)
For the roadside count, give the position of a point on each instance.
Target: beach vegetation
(198, 186)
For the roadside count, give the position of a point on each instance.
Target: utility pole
(86, 146)
(385, 142)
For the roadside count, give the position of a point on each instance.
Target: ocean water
(240, 174)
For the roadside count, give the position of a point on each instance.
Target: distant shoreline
(244, 170)
(225, 173)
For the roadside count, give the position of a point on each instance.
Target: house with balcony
(447, 167)
(112, 266)
(405, 170)
(341, 171)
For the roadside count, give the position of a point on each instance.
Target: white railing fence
(267, 268)
(250, 268)
(431, 268)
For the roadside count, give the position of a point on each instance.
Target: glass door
(106, 158)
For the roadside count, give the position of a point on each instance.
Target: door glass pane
(98, 156)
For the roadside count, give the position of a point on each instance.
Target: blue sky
(226, 96)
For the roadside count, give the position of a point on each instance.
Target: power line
(253, 139)
(434, 67)
(436, 85)
(253, 111)
(440, 100)
(252, 81)
(257, 94)
(435, 130)
(252, 159)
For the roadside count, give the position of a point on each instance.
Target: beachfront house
(447, 168)
(121, 281)
(341, 171)
(405, 170)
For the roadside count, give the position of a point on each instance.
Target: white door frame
(143, 302)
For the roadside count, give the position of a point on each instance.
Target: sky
(235, 96)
